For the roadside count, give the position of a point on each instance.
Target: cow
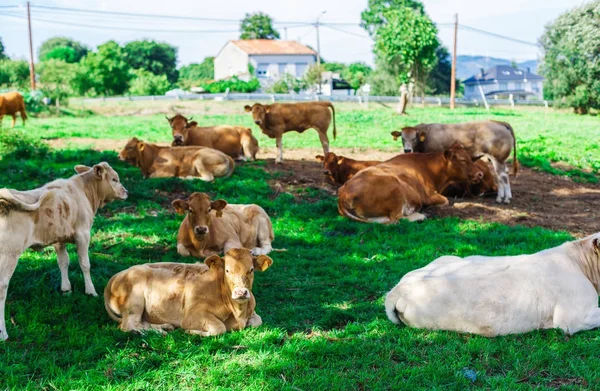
(494, 139)
(480, 185)
(278, 118)
(203, 299)
(236, 141)
(185, 162)
(400, 187)
(339, 169)
(12, 103)
(212, 227)
(490, 296)
(57, 213)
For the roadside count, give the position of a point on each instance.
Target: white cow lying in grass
(554, 288)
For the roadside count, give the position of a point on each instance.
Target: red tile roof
(271, 46)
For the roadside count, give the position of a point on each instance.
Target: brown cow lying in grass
(57, 213)
(213, 227)
(204, 299)
(276, 119)
(236, 141)
(184, 162)
(400, 187)
(12, 103)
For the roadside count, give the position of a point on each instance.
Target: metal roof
(272, 46)
(503, 73)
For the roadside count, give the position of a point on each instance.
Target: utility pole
(31, 66)
(453, 73)
(319, 50)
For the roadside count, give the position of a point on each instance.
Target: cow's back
(224, 138)
(11, 102)
(300, 116)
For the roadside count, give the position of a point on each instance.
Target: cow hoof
(507, 201)
(66, 291)
(91, 293)
(278, 161)
(499, 200)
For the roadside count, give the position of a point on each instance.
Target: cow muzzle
(123, 194)
(258, 122)
(407, 150)
(326, 172)
(200, 230)
(477, 177)
(240, 294)
(178, 140)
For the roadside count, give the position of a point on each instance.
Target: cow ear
(169, 119)
(80, 169)
(319, 158)
(448, 153)
(191, 124)
(213, 261)
(141, 146)
(180, 206)
(596, 245)
(218, 205)
(474, 159)
(421, 136)
(396, 134)
(340, 161)
(248, 108)
(99, 171)
(262, 262)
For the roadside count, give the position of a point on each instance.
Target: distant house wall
(275, 66)
(231, 61)
(536, 87)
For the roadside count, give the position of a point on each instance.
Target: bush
(56, 78)
(34, 102)
(196, 74)
(147, 83)
(14, 74)
(287, 84)
(234, 84)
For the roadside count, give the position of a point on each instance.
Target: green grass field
(322, 300)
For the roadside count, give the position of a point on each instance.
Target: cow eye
(227, 270)
(251, 271)
(115, 180)
(190, 211)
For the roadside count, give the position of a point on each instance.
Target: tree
(77, 52)
(356, 74)
(571, 46)
(374, 16)
(104, 72)
(14, 74)
(407, 43)
(258, 26)
(56, 78)
(439, 78)
(147, 83)
(3, 55)
(158, 58)
(197, 73)
(312, 77)
(333, 66)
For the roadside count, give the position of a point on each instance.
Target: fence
(430, 100)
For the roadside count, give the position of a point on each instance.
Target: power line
(463, 27)
(345, 31)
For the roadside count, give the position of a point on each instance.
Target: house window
(301, 69)
(262, 70)
(518, 85)
(536, 87)
(282, 67)
(502, 86)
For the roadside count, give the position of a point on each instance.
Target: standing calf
(12, 103)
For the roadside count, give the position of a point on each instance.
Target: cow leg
(415, 217)
(263, 237)
(8, 264)
(82, 240)
(63, 264)
(324, 141)
(254, 320)
(437, 199)
(279, 158)
(501, 172)
(14, 117)
(204, 324)
(589, 321)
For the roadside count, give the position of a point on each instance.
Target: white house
(270, 59)
(503, 80)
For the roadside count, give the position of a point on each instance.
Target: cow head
(412, 138)
(330, 164)
(460, 165)
(132, 151)
(259, 112)
(239, 266)
(198, 208)
(180, 127)
(109, 187)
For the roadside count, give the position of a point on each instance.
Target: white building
(270, 59)
(503, 80)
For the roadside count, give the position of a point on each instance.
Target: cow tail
(391, 299)
(8, 202)
(111, 313)
(22, 110)
(515, 161)
(333, 111)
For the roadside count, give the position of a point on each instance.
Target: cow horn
(191, 118)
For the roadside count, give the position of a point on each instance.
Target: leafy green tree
(407, 43)
(374, 16)
(571, 64)
(356, 74)
(158, 58)
(312, 77)
(14, 74)
(333, 66)
(104, 72)
(51, 46)
(382, 81)
(195, 74)
(56, 78)
(258, 26)
(438, 81)
(3, 55)
(147, 83)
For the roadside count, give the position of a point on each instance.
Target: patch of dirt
(539, 199)
(88, 142)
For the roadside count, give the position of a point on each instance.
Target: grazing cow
(492, 138)
(184, 162)
(339, 169)
(554, 288)
(203, 299)
(276, 119)
(236, 141)
(401, 186)
(12, 103)
(57, 213)
(212, 227)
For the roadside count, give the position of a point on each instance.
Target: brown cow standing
(211, 227)
(236, 141)
(401, 186)
(185, 162)
(203, 299)
(11, 103)
(276, 119)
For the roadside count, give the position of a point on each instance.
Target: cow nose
(407, 150)
(325, 172)
(240, 293)
(198, 230)
(257, 122)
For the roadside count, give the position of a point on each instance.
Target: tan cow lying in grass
(184, 162)
(12, 103)
(554, 288)
(235, 141)
(213, 227)
(204, 299)
(400, 187)
(57, 213)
